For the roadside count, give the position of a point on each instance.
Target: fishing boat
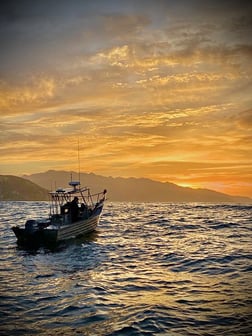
(74, 212)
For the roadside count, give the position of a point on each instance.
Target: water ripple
(150, 269)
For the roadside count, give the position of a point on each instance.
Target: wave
(150, 269)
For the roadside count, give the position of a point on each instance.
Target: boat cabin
(73, 204)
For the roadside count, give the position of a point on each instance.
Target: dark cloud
(41, 36)
(44, 35)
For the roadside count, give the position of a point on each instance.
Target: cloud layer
(155, 89)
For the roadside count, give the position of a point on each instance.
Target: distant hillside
(134, 189)
(13, 188)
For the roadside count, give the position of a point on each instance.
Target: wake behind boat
(74, 212)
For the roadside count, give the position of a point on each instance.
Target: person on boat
(74, 209)
(84, 210)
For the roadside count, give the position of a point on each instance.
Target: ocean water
(150, 269)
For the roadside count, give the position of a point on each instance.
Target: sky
(157, 89)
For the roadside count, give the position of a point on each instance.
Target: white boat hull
(78, 228)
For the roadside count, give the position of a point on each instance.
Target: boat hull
(77, 229)
(57, 233)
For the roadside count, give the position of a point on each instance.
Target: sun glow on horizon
(188, 185)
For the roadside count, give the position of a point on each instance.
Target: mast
(79, 158)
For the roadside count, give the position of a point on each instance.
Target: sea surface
(149, 269)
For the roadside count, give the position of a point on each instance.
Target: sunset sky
(151, 88)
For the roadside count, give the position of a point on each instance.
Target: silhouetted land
(133, 189)
(36, 186)
(13, 188)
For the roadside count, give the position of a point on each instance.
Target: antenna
(79, 158)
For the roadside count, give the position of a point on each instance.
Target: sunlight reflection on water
(165, 269)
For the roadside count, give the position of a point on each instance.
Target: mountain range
(13, 188)
(132, 189)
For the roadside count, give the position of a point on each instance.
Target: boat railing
(62, 197)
